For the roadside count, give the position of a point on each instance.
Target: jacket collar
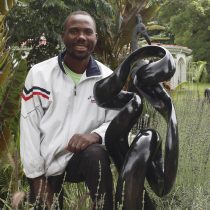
(92, 68)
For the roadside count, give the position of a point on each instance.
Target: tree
(115, 22)
(12, 75)
(188, 20)
(29, 20)
(124, 24)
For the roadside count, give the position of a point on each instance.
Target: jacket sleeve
(30, 137)
(101, 130)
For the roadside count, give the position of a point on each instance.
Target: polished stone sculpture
(143, 158)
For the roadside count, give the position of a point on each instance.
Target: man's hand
(79, 142)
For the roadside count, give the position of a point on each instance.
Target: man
(61, 128)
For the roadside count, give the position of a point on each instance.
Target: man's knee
(96, 152)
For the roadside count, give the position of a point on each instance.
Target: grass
(192, 188)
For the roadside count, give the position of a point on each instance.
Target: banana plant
(12, 74)
(114, 46)
(6, 5)
(115, 21)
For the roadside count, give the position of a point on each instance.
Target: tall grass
(192, 188)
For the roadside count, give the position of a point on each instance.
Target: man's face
(80, 36)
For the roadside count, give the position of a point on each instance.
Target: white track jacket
(53, 109)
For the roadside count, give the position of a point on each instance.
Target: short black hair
(79, 12)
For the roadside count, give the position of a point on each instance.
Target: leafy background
(179, 22)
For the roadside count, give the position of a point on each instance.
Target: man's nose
(81, 35)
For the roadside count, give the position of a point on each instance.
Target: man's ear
(96, 38)
(62, 35)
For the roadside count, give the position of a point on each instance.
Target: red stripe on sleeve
(26, 98)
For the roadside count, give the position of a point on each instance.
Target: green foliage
(115, 21)
(12, 75)
(10, 88)
(191, 190)
(197, 72)
(188, 20)
(5, 71)
(11, 95)
(6, 5)
(27, 22)
(5, 59)
(159, 33)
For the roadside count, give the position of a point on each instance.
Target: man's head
(79, 35)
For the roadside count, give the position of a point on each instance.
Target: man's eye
(73, 32)
(88, 32)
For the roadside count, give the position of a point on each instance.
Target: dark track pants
(92, 166)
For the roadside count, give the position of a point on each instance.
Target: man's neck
(76, 65)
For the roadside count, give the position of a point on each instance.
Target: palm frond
(6, 5)
(10, 85)
(10, 103)
(128, 22)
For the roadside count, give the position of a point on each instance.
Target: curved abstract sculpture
(143, 159)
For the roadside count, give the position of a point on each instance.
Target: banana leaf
(6, 5)
(10, 104)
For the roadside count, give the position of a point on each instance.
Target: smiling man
(61, 127)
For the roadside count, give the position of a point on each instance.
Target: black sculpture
(143, 159)
(207, 94)
(139, 29)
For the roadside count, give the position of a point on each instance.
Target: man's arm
(79, 142)
(33, 162)
(31, 114)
